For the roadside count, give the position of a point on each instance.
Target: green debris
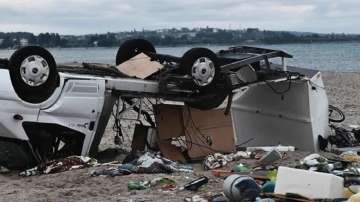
(268, 187)
(272, 175)
(138, 185)
(162, 181)
(241, 168)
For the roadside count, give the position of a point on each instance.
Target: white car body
(77, 104)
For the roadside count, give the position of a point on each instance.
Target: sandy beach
(343, 92)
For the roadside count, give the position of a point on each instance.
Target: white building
(24, 42)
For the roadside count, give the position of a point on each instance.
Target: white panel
(309, 183)
(11, 128)
(11, 105)
(319, 107)
(80, 103)
(273, 119)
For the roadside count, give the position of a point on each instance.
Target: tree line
(170, 37)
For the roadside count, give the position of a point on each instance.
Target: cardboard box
(205, 132)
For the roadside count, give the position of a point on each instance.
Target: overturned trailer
(49, 111)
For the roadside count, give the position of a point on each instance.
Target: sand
(343, 91)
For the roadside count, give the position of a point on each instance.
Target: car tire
(131, 48)
(212, 96)
(35, 93)
(209, 96)
(16, 155)
(211, 102)
(191, 56)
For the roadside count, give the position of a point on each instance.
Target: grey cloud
(86, 16)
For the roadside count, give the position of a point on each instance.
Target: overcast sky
(100, 16)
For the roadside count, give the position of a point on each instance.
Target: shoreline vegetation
(171, 38)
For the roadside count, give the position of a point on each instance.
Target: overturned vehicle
(51, 110)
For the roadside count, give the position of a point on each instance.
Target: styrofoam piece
(279, 148)
(310, 184)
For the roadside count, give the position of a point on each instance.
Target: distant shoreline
(199, 44)
(173, 37)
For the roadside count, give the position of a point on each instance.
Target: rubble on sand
(149, 163)
(60, 165)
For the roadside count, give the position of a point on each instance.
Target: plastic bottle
(196, 184)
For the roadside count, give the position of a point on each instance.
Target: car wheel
(212, 86)
(131, 48)
(212, 96)
(209, 102)
(33, 74)
(202, 65)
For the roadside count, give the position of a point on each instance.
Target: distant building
(192, 34)
(1, 41)
(24, 42)
(215, 30)
(252, 30)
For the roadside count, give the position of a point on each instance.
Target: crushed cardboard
(140, 66)
(175, 121)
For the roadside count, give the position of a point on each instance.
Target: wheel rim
(203, 71)
(34, 70)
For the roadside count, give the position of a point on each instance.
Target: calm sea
(321, 56)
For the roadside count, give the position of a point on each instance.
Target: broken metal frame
(253, 55)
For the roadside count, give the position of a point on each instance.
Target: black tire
(189, 58)
(340, 113)
(33, 94)
(213, 94)
(131, 48)
(210, 102)
(15, 154)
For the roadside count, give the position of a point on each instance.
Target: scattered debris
(196, 184)
(350, 156)
(60, 165)
(313, 160)
(271, 175)
(268, 187)
(4, 170)
(195, 198)
(308, 183)
(241, 188)
(138, 185)
(147, 163)
(279, 148)
(164, 182)
(139, 66)
(270, 157)
(354, 198)
(218, 160)
(241, 168)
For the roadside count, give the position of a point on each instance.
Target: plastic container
(241, 188)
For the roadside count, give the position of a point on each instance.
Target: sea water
(321, 56)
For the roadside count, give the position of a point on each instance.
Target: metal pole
(140, 108)
(283, 61)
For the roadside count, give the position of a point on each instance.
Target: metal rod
(283, 62)
(238, 64)
(140, 108)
